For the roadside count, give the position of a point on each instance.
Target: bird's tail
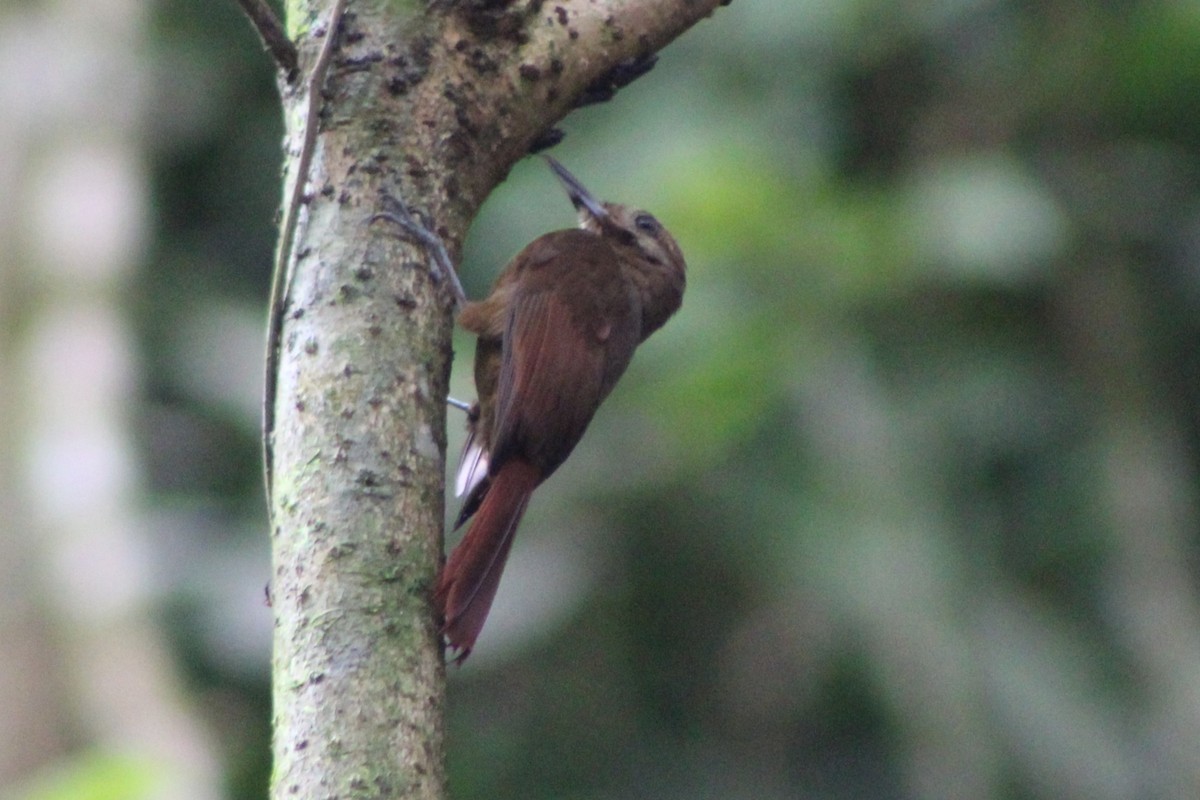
(471, 576)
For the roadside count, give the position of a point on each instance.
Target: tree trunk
(432, 106)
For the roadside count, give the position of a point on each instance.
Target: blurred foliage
(902, 504)
(91, 776)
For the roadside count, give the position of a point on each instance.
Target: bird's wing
(572, 327)
(550, 382)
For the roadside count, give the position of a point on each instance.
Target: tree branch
(270, 30)
(515, 71)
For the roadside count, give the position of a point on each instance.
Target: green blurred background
(902, 504)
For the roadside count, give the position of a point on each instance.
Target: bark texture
(431, 103)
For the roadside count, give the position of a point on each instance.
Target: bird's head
(625, 226)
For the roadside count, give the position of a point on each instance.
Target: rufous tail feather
(469, 580)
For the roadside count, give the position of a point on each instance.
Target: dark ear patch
(624, 236)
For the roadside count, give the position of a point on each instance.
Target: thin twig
(273, 36)
(281, 274)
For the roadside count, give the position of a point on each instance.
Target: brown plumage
(555, 334)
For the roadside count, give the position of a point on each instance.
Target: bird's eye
(646, 223)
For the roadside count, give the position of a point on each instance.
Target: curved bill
(581, 198)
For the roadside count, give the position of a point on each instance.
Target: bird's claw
(397, 214)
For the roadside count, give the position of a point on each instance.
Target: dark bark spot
(624, 73)
(404, 476)
(422, 53)
(310, 346)
(498, 19)
(396, 85)
(529, 72)
(562, 15)
(546, 140)
(595, 93)
(367, 479)
(458, 147)
(481, 62)
(409, 69)
(364, 273)
(465, 122)
(359, 63)
(451, 187)
(341, 550)
(414, 167)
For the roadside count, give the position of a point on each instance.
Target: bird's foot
(396, 213)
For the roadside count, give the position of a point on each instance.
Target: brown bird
(555, 334)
